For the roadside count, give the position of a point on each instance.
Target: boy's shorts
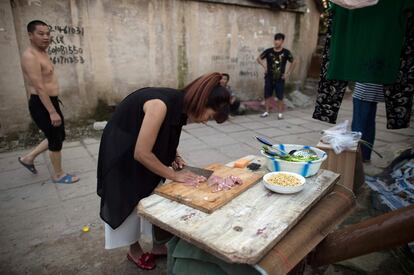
(278, 86)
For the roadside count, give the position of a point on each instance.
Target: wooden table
(246, 228)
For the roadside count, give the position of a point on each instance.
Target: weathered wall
(13, 106)
(107, 49)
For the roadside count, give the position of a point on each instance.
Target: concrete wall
(13, 100)
(106, 49)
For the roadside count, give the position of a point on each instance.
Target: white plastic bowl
(284, 189)
(305, 169)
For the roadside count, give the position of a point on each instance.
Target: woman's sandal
(145, 262)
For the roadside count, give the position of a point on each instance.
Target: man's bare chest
(46, 66)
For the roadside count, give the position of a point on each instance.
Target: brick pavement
(40, 221)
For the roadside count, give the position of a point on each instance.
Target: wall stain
(182, 61)
(296, 36)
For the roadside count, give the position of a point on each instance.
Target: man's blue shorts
(278, 86)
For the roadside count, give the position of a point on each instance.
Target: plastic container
(305, 169)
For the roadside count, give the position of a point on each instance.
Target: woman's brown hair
(206, 92)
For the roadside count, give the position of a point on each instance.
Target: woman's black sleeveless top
(123, 181)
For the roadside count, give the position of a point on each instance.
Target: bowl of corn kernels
(284, 182)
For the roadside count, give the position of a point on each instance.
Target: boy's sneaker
(279, 116)
(265, 114)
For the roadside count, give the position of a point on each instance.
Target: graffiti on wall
(61, 50)
(226, 61)
(245, 63)
(248, 65)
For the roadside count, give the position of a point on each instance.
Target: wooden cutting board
(201, 197)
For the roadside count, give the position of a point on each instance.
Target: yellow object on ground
(85, 228)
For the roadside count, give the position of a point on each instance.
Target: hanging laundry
(366, 43)
(398, 96)
(355, 4)
(330, 92)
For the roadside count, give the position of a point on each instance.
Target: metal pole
(378, 233)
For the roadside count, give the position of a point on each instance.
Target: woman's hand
(178, 163)
(185, 176)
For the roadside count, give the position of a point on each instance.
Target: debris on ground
(299, 99)
(394, 188)
(99, 125)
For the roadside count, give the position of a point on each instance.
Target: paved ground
(40, 222)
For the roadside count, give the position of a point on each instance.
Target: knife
(199, 171)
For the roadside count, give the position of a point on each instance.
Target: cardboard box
(348, 163)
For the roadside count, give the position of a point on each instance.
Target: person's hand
(178, 163)
(185, 176)
(55, 119)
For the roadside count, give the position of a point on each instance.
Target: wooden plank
(246, 228)
(202, 198)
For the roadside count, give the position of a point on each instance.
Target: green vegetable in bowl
(288, 157)
(298, 159)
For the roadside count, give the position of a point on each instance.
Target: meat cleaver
(199, 171)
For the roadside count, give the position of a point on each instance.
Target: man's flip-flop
(145, 262)
(29, 167)
(66, 179)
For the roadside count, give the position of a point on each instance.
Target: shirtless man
(42, 90)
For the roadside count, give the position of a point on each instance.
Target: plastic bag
(99, 125)
(355, 4)
(340, 138)
(146, 240)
